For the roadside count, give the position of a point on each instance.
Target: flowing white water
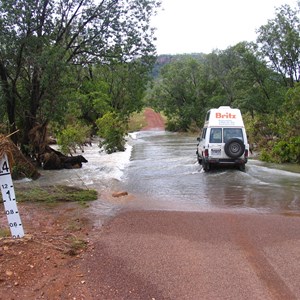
(164, 173)
(159, 170)
(103, 172)
(100, 171)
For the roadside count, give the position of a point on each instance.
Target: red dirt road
(181, 255)
(154, 120)
(152, 255)
(192, 255)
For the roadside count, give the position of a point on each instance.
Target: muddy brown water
(159, 170)
(164, 173)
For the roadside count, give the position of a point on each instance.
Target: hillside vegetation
(80, 76)
(262, 79)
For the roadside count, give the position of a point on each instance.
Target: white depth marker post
(9, 200)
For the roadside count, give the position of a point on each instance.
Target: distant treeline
(262, 79)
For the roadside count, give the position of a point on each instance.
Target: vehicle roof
(224, 116)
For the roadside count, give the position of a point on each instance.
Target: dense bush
(112, 129)
(73, 137)
(282, 151)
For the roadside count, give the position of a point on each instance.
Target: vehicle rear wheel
(205, 166)
(242, 167)
(199, 159)
(234, 148)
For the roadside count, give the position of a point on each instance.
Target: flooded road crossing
(160, 171)
(164, 173)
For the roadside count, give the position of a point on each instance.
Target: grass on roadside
(57, 193)
(136, 122)
(76, 245)
(4, 232)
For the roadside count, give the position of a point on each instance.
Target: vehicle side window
(230, 133)
(204, 133)
(207, 116)
(215, 135)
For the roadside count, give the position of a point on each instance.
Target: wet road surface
(195, 255)
(225, 234)
(185, 234)
(164, 173)
(160, 171)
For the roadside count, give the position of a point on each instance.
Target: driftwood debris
(20, 166)
(47, 157)
(52, 159)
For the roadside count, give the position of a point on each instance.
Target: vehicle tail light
(206, 153)
(246, 153)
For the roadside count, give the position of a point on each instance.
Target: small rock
(8, 273)
(119, 194)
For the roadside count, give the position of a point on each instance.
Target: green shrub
(282, 151)
(295, 149)
(178, 124)
(73, 137)
(136, 121)
(265, 155)
(112, 129)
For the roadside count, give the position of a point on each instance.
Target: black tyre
(242, 167)
(205, 166)
(199, 158)
(234, 148)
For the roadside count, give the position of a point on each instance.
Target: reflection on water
(164, 172)
(103, 173)
(272, 192)
(160, 171)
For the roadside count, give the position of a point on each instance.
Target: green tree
(112, 129)
(41, 40)
(181, 92)
(279, 42)
(89, 101)
(291, 113)
(223, 68)
(126, 84)
(286, 146)
(259, 88)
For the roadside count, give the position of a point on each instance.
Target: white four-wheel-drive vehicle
(223, 140)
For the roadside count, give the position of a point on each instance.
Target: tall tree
(41, 39)
(259, 88)
(181, 91)
(279, 42)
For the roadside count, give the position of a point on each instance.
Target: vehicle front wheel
(205, 166)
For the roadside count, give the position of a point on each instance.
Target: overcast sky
(194, 26)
